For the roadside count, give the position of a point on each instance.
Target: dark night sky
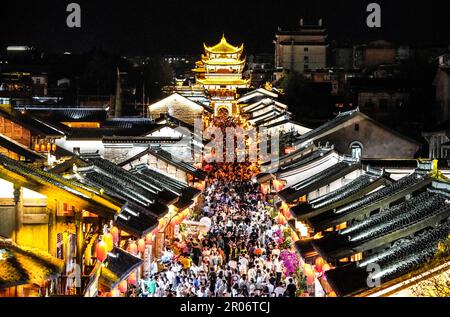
(178, 27)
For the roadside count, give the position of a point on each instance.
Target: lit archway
(356, 149)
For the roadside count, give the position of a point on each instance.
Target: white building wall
(287, 127)
(84, 145)
(311, 171)
(293, 57)
(334, 185)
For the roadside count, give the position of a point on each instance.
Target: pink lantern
(101, 252)
(132, 248)
(319, 262)
(115, 234)
(132, 280)
(123, 286)
(141, 245)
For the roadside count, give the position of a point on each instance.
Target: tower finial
(223, 39)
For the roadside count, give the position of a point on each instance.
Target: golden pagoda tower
(220, 73)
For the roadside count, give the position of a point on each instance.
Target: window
(306, 66)
(357, 127)
(306, 58)
(356, 149)
(305, 49)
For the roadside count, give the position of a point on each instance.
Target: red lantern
(132, 280)
(108, 238)
(132, 248)
(115, 234)
(101, 251)
(319, 264)
(141, 245)
(123, 286)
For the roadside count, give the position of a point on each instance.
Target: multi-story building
(302, 49)
(220, 73)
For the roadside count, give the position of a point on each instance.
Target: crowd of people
(232, 172)
(238, 257)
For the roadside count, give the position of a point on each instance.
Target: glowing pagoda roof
(224, 61)
(223, 47)
(223, 81)
(199, 70)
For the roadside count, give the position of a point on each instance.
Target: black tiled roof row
(357, 188)
(334, 172)
(370, 202)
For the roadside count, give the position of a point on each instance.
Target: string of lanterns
(111, 238)
(45, 147)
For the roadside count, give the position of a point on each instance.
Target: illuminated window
(356, 149)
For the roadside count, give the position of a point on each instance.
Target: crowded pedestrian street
(246, 251)
(241, 254)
